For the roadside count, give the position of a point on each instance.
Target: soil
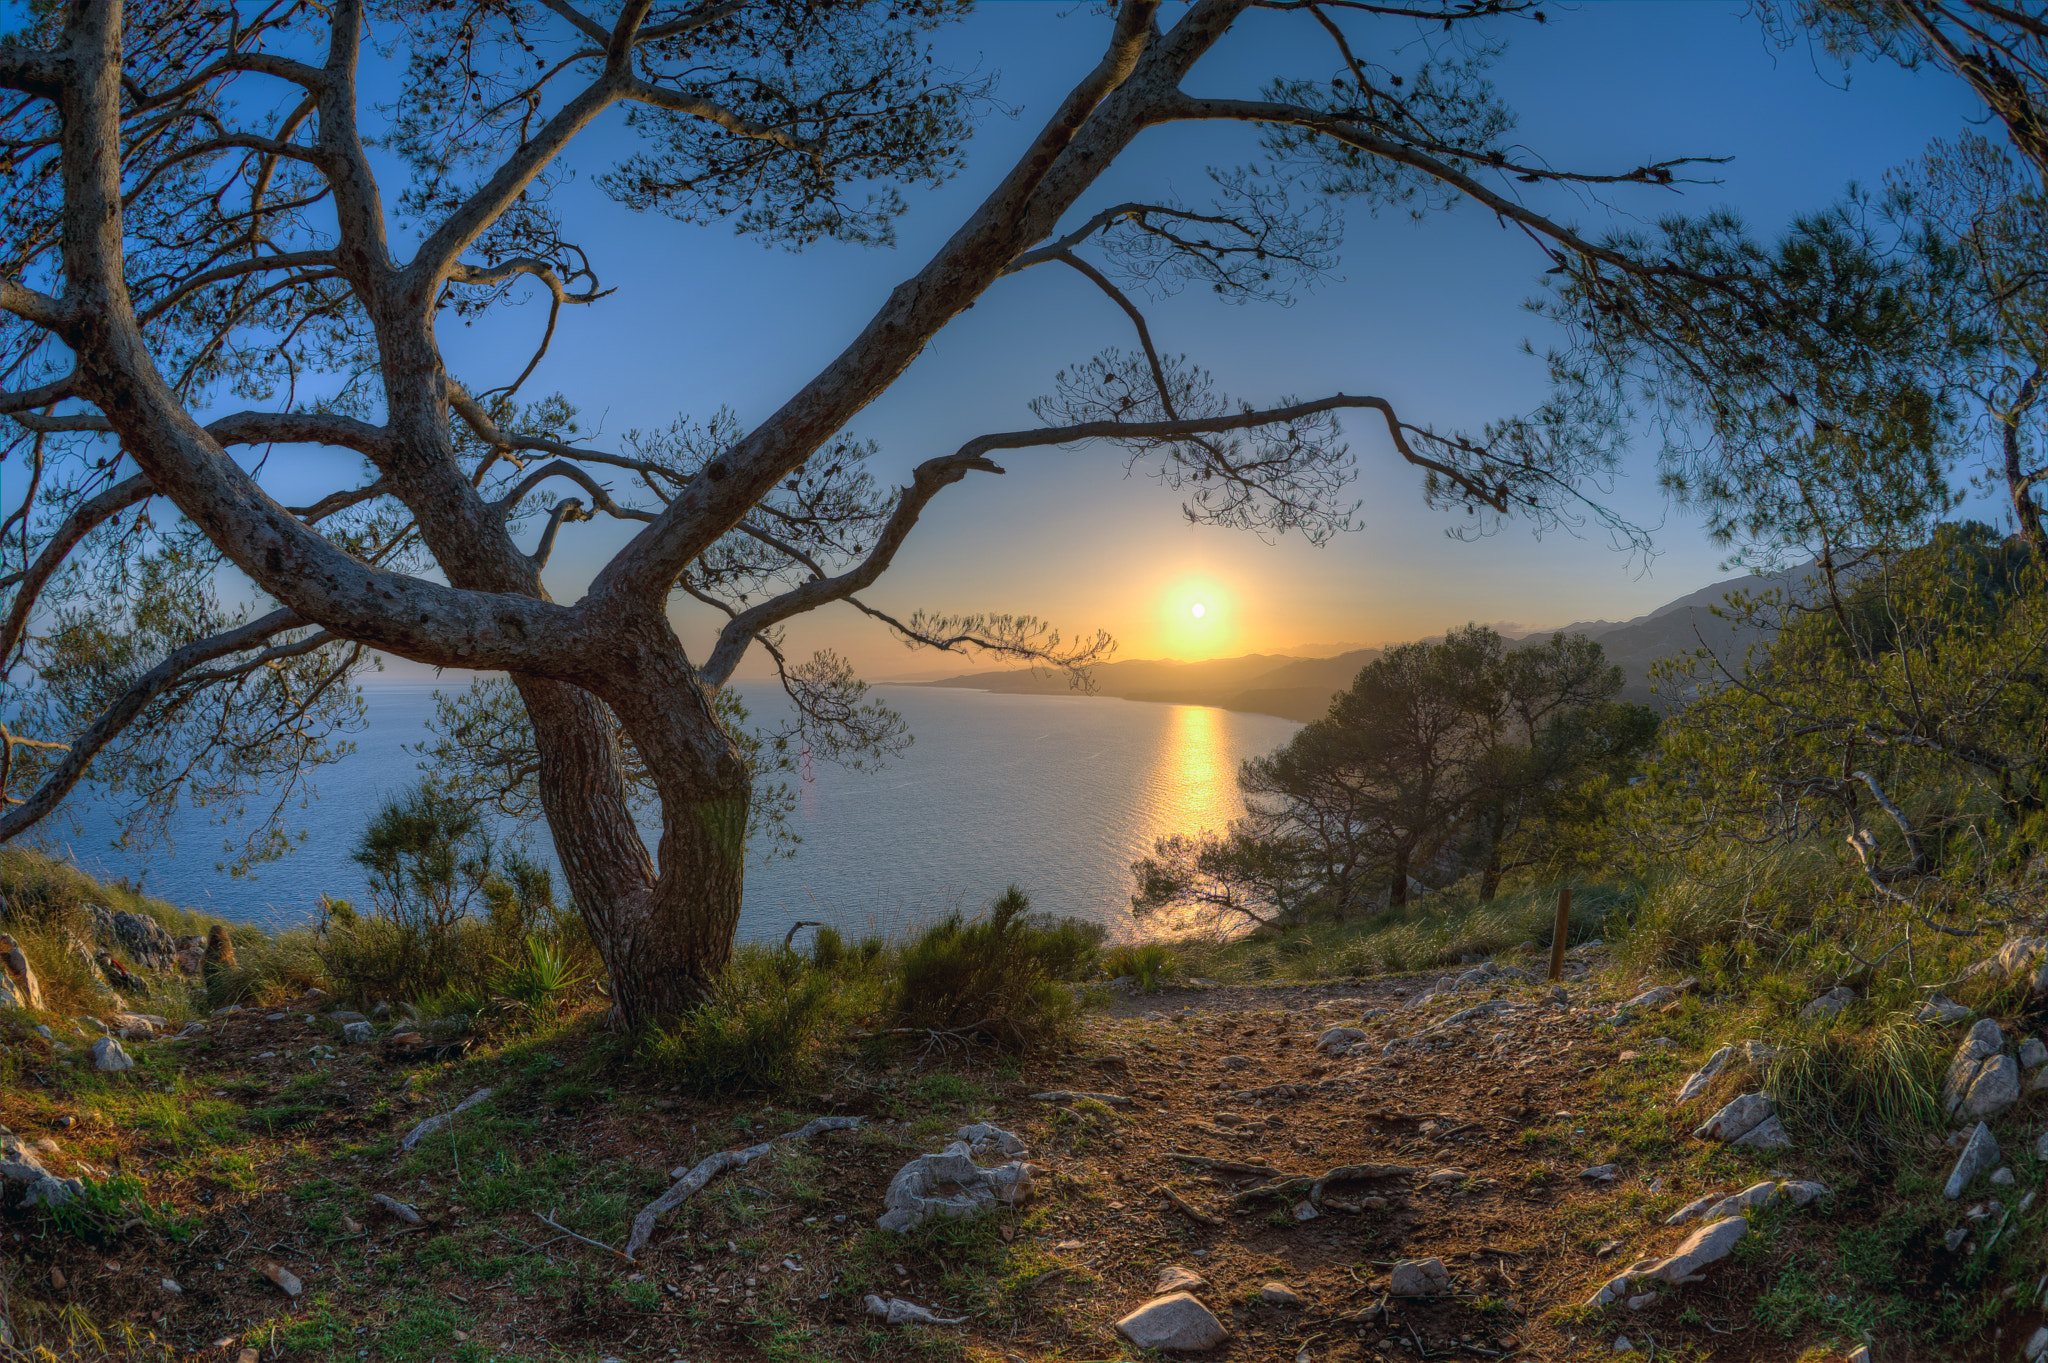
(773, 1261)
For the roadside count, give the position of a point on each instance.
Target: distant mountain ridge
(1300, 688)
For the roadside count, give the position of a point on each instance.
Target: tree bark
(1489, 882)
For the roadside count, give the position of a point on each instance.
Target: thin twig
(1188, 1209)
(553, 1224)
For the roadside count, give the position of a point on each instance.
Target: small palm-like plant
(537, 984)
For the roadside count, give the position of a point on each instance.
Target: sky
(1428, 315)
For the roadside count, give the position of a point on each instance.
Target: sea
(1056, 794)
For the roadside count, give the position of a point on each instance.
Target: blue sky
(1428, 315)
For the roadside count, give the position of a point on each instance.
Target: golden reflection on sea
(1196, 784)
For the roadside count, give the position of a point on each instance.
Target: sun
(1198, 610)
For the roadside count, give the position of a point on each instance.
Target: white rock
(1983, 1042)
(1690, 1210)
(439, 1120)
(1707, 1245)
(1174, 1278)
(1769, 1134)
(1996, 1088)
(1420, 1278)
(1642, 1301)
(1659, 996)
(1940, 1008)
(1828, 1005)
(1738, 1118)
(2002, 1177)
(107, 1055)
(1696, 1083)
(358, 1033)
(1754, 1196)
(2033, 1054)
(896, 1311)
(1979, 1153)
(1803, 1191)
(1601, 1173)
(2036, 1346)
(1279, 1294)
(19, 987)
(1339, 1038)
(1177, 1322)
(50, 1191)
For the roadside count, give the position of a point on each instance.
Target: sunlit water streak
(1055, 793)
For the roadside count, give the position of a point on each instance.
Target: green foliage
(1460, 755)
(455, 918)
(1866, 1089)
(103, 1210)
(1437, 931)
(769, 1019)
(1145, 962)
(538, 983)
(998, 976)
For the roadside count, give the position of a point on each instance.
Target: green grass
(1433, 932)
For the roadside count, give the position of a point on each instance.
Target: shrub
(766, 1024)
(998, 976)
(450, 913)
(1145, 962)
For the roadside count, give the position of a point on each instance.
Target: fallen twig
(690, 1182)
(1227, 1166)
(552, 1224)
(1188, 1209)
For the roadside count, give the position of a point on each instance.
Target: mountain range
(1301, 688)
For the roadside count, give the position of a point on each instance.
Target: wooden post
(1564, 923)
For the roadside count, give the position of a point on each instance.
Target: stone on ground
(1696, 1083)
(1980, 1153)
(1995, 1088)
(1983, 1043)
(1941, 1008)
(1279, 1294)
(1339, 1038)
(2033, 1054)
(1420, 1278)
(1738, 1118)
(1769, 1134)
(1176, 1322)
(1828, 1005)
(107, 1055)
(1174, 1278)
(19, 987)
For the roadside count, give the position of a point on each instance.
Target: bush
(1145, 962)
(451, 915)
(998, 976)
(768, 1022)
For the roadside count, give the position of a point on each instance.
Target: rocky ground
(1475, 1164)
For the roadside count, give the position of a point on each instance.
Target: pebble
(1279, 1294)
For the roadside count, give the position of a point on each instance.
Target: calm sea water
(1054, 793)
